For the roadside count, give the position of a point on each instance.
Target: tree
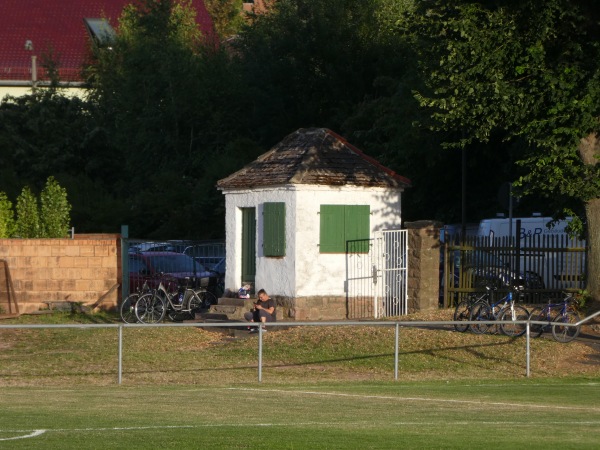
(28, 215)
(46, 133)
(170, 104)
(227, 16)
(524, 70)
(55, 209)
(7, 217)
(310, 62)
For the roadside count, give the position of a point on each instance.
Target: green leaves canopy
(522, 69)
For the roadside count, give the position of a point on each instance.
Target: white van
(556, 268)
(530, 226)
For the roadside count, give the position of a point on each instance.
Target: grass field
(552, 413)
(322, 388)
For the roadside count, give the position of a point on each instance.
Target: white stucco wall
(303, 271)
(19, 91)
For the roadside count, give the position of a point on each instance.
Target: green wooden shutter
(357, 228)
(344, 228)
(332, 239)
(274, 229)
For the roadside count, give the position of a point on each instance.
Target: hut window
(344, 228)
(274, 229)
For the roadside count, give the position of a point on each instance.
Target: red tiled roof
(314, 156)
(58, 24)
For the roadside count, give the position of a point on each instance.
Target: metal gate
(376, 279)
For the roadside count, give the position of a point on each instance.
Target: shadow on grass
(479, 360)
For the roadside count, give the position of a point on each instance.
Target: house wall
(324, 274)
(19, 91)
(303, 271)
(85, 269)
(272, 274)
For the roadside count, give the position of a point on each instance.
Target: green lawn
(545, 414)
(322, 388)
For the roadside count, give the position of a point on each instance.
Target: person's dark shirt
(267, 304)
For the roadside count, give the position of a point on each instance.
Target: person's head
(262, 295)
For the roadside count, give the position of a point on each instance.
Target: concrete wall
(86, 269)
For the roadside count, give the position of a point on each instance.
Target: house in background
(295, 213)
(33, 28)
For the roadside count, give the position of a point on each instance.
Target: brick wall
(86, 269)
(423, 265)
(314, 308)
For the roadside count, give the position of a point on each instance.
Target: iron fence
(545, 265)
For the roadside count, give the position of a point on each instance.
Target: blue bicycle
(510, 317)
(556, 315)
(462, 312)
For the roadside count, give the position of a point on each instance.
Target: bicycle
(464, 307)
(127, 308)
(555, 314)
(183, 302)
(504, 311)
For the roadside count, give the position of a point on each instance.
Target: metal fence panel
(549, 265)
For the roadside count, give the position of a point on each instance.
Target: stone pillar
(423, 264)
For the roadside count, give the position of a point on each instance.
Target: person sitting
(263, 311)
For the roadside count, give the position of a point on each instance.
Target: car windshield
(175, 263)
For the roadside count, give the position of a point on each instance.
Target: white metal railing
(396, 324)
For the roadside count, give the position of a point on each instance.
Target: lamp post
(29, 46)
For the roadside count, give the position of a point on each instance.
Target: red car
(175, 269)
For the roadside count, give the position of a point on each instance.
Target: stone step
(240, 302)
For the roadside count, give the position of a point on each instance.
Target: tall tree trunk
(589, 150)
(592, 212)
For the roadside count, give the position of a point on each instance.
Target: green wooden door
(248, 245)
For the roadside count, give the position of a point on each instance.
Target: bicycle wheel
(195, 304)
(542, 315)
(207, 298)
(480, 312)
(563, 333)
(150, 308)
(462, 312)
(509, 316)
(127, 309)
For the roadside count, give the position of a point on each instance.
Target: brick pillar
(423, 264)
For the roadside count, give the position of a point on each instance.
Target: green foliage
(7, 219)
(527, 70)
(55, 210)
(310, 62)
(47, 218)
(226, 15)
(170, 105)
(28, 215)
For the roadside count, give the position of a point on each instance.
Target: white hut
(295, 214)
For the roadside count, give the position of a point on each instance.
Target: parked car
(488, 269)
(152, 246)
(170, 267)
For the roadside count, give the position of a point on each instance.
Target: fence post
(260, 344)
(124, 262)
(528, 349)
(396, 346)
(120, 369)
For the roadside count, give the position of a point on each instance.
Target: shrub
(28, 216)
(7, 217)
(55, 209)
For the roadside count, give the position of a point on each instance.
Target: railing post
(396, 348)
(120, 369)
(528, 351)
(260, 344)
